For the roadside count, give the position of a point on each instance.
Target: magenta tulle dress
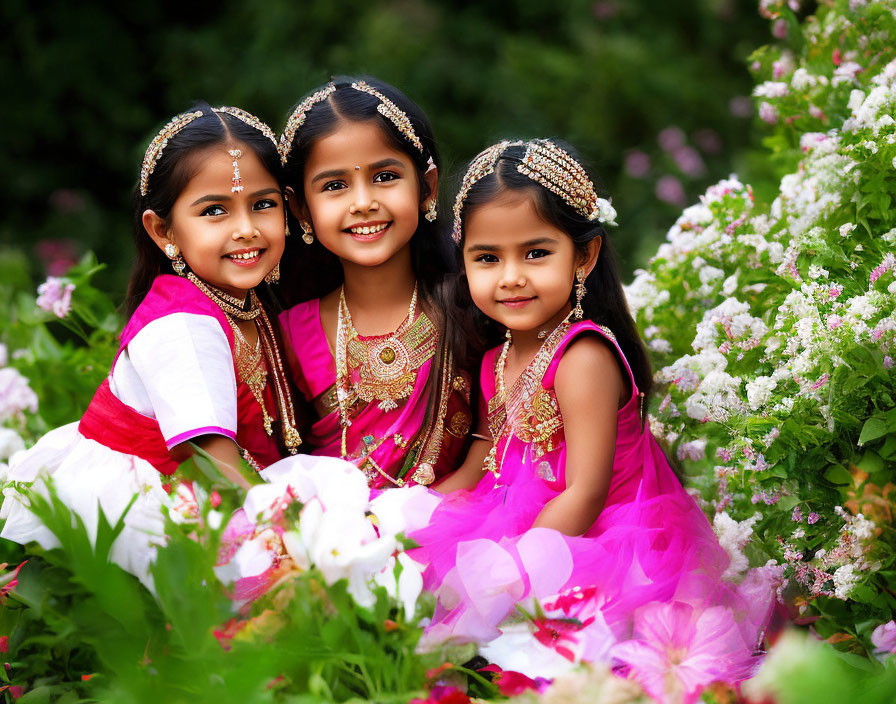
(650, 546)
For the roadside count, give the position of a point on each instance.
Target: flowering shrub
(773, 333)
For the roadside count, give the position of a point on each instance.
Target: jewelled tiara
(177, 123)
(386, 108)
(549, 166)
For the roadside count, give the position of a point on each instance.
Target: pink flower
(740, 106)
(671, 138)
(884, 638)
(835, 290)
(689, 161)
(768, 113)
(888, 362)
(669, 190)
(55, 296)
(678, 650)
(822, 380)
(708, 140)
(779, 29)
(813, 518)
(797, 514)
(637, 163)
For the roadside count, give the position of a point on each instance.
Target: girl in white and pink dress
(199, 362)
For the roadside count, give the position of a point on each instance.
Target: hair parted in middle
(564, 196)
(406, 126)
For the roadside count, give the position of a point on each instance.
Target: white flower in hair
(605, 212)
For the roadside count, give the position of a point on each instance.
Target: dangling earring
(431, 211)
(307, 232)
(273, 276)
(172, 251)
(577, 312)
(286, 231)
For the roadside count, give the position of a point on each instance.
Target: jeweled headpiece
(177, 123)
(250, 120)
(158, 144)
(297, 119)
(386, 108)
(393, 113)
(548, 165)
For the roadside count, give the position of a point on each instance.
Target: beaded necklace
(252, 364)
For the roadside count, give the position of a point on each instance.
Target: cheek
(481, 287)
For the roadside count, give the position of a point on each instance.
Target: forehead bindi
(353, 144)
(214, 170)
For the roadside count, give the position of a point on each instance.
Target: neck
(378, 296)
(526, 343)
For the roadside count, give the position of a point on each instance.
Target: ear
(157, 229)
(589, 261)
(299, 210)
(432, 180)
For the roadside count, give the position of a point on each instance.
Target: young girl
(362, 176)
(574, 496)
(199, 362)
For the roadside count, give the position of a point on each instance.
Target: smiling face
(230, 240)
(362, 194)
(520, 268)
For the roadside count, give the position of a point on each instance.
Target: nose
(512, 276)
(363, 200)
(245, 229)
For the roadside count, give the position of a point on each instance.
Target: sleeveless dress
(172, 380)
(395, 446)
(651, 544)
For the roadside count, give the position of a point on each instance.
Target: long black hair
(311, 271)
(604, 303)
(173, 170)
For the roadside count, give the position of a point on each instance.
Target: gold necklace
(386, 369)
(526, 398)
(249, 363)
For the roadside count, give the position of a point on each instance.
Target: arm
(589, 388)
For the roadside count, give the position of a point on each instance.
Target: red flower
(512, 683)
(227, 632)
(4, 644)
(13, 578)
(443, 695)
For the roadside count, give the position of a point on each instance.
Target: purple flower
(779, 29)
(740, 106)
(813, 518)
(669, 190)
(768, 113)
(15, 395)
(888, 362)
(637, 163)
(689, 161)
(55, 296)
(884, 638)
(671, 138)
(797, 514)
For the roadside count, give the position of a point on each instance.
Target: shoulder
(587, 356)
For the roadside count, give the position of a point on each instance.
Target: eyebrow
(528, 243)
(336, 173)
(217, 198)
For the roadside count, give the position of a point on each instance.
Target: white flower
(771, 89)
(16, 395)
(862, 528)
(658, 344)
(4, 355)
(733, 536)
(402, 578)
(845, 578)
(333, 481)
(10, 443)
(606, 212)
(759, 391)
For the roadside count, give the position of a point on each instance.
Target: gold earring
(577, 312)
(432, 211)
(273, 276)
(286, 231)
(307, 232)
(172, 251)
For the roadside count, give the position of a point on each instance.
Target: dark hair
(173, 171)
(604, 303)
(319, 271)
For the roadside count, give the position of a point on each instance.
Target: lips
(245, 257)
(368, 230)
(517, 301)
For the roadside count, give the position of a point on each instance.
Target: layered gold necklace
(385, 365)
(252, 363)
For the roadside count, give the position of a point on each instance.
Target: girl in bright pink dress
(566, 497)
(199, 362)
(367, 336)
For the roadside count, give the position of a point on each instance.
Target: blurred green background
(651, 91)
